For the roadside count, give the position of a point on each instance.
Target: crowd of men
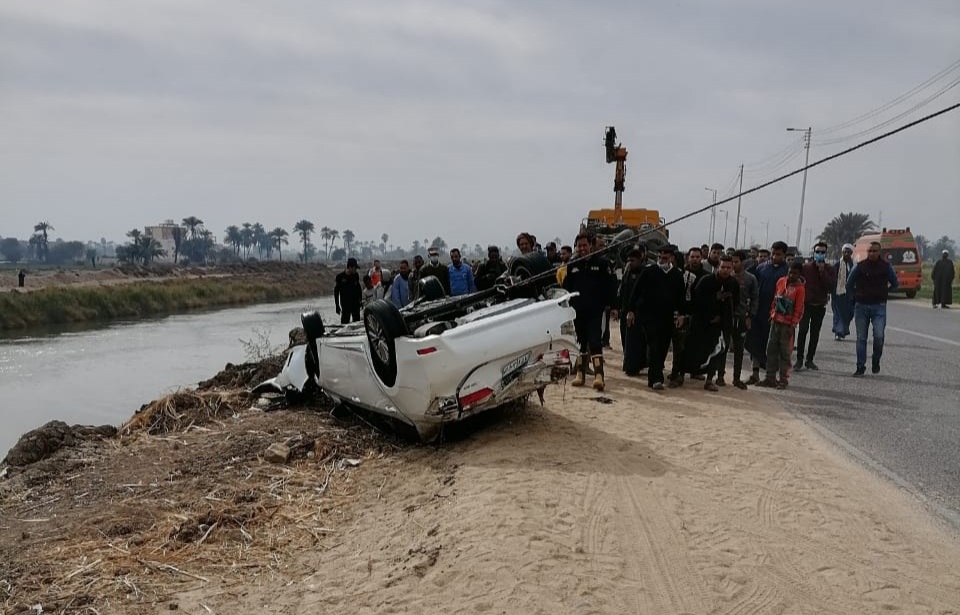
(702, 304)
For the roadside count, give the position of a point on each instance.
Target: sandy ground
(678, 503)
(684, 502)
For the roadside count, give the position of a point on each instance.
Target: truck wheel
(383, 324)
(431, 288)
(530, 265)
(911, 293)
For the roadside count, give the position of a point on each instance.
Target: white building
(164, 233)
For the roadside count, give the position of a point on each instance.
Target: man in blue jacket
(400, 288)
(461, 275)
(870, 284)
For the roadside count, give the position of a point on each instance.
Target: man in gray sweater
(743, 314)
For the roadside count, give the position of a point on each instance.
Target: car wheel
(312, 325)
(911, 294)
(530, 265)
(383, 324)
(431, 288)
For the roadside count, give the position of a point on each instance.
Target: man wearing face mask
(436, 269)
(820, 279)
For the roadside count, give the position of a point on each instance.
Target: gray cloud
(468, 121)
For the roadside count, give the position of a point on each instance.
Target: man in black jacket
(632, 338)
(489, 270)
(590, 275)
(436, 269)
(348, 293)
(715, 298)
(660, 300)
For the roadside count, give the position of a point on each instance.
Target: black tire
(911, 293)
(431, 288)
(312, 325)
(383, 324)
(530, 265)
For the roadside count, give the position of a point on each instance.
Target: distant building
(164, 233)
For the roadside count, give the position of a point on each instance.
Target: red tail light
(423, 351)
(565, 354)
(476, 397)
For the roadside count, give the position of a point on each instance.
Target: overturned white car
(442, 359)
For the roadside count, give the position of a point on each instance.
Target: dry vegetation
(182, 495)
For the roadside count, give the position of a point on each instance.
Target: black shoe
(781, 385)
(811, 365)
(875, 368)
(860, 371)
(838, 338)
(754, 379)
(709, 386)
(721, 382)
(798, 365)
(657, 386)
(740, 385)
(768, 383)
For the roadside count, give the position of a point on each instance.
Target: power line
(893, 119)
(892, 103)
(816, 163)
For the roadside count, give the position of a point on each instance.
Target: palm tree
(194, 226)
(151, 249)
(334, 235)
(415, 247)
(383, 242)
(845, 228)
(348, 237)
(305, 228)
(233, 237)
(177, 233)
(279, 237)
(260, 239)
(325, 236)
(246, 239)
(439, 244)
(43, 246)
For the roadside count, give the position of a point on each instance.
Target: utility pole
(803, 190)
(736, 235)
(766, 243)
(713, 213)
(810, 238)
(726, 225)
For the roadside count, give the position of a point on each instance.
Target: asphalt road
(905, 421)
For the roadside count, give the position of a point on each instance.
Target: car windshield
(901, 256)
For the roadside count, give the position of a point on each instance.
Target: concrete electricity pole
(736, 235)
(803, 190)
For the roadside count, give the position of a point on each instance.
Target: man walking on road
(870, 283)
(819, 280)
(841, 301)
(942, 276)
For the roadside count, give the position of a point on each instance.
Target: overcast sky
(468, 120)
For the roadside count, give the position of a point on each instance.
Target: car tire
(312, 323)
(530, 265)
(431, 288)
(383, 324)
(912, 293)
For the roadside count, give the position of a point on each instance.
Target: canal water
(103, 375)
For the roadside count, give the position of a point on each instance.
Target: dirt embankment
(633, 501)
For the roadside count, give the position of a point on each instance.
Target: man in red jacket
(786, 310)
(819, 281)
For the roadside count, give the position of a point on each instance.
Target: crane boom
(617, 153)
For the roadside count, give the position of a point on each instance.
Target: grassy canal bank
(131, 295)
